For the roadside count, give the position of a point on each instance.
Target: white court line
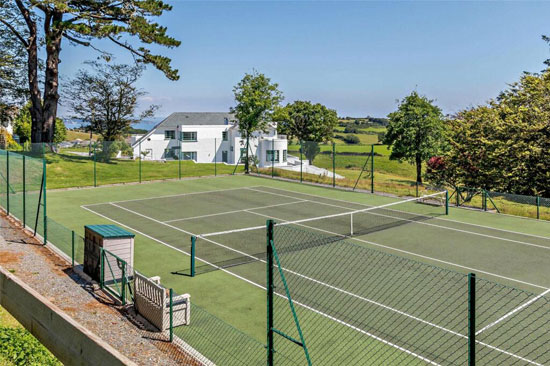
(519, 308)
(424, 321)
(264, 288)
(171, 195)
(413, 254)
(437, 218)
(236, 211)
(246, 254)
(328, 316)
(422, 223)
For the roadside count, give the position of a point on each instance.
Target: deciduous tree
(415, 131)
(106, 98)
(256, 98)
(128, 24)
(307, 122)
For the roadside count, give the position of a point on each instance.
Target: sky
(358, 58)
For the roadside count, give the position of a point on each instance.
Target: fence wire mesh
(361, 306)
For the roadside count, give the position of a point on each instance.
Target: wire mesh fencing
(23, 190)
(507, 203)
(97, 162)
(360, 306)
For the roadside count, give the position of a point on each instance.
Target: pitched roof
(190, 119)
(196, 118)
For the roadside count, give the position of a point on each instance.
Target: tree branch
(124, 45)
(15, 32)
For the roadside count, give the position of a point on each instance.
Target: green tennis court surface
(384, 285)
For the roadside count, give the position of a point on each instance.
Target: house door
(224, 156)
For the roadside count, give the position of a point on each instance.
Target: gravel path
(53, 278)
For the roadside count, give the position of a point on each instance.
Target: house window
(272, 155)
(284, 156)
(188, 136)
(243, 152)
(224, 156)
(171, 153)
(189, 155)
(169, 135)
(224, 135)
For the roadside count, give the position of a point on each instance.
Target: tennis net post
(446, 203)
(192, 265)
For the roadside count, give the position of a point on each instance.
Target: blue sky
(355, 57)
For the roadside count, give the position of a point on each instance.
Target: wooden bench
(152, 301)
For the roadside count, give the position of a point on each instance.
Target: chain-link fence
(506, 203)
(23, 190)
(361, 306)
(95, 163)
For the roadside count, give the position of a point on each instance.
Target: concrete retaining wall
(70, 342)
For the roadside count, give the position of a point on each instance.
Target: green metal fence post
(270, 291)
(95, 168)
(172, 315)
(101, 268)
(301, 162)
(457, 191)
(273, 158)
(538, 207)
(44, 211)
(215, 158)
(333, 165)
(72, 248)
(416, 189)
(446, 202)
(484, 200)
(139, 166)
(193, 242)
(372, 169)
(179, 164)
(24, 194)
(8, 182)
(471, 319)
(123, 288)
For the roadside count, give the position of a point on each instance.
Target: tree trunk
(51, 85)
(418, 169)
(32, 74)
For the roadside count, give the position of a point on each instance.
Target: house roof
(190, 119)
(196, 118)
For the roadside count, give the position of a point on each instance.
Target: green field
(508, 250)
(66, 170)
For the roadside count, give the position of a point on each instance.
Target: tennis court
(373, 283)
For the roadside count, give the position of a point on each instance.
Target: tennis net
(230, 248)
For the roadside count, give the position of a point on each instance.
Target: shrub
(18, 346)
(350, 129)
(351, 139)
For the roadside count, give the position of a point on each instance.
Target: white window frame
(172, 134)
(193, 136)
(270, 158)
(193, 155)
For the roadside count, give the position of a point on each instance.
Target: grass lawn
(69, 170)
(73, 135)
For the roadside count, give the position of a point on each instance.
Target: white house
(208, 137)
